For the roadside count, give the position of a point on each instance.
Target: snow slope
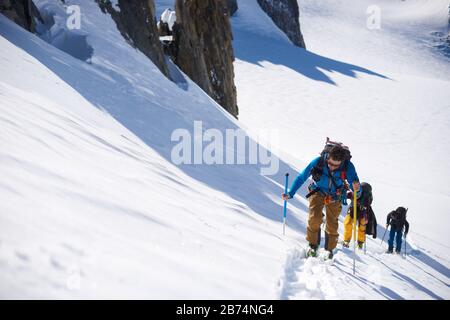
(91, 205)
(385, 93)
(374, 90)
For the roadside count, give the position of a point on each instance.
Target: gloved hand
(356, 186)
(285, 197)
(359, 193)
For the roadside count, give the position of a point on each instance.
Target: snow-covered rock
(136, 22)
(169, 17)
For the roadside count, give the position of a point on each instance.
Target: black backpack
(365, 204)
(399, 214)
(398, 217)
(366, 200)
(317, 170)
(366, 196)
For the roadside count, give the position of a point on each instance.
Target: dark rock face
(202, 48)
(22, 12)
(448, 33)
(137, 24)
(285, 14)
(232, 6)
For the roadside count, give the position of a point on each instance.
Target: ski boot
(360, 244)
(389, 251)
(329, 255)
(346, 244)
(312, 251)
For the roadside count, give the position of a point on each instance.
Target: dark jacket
(371, 227)
(364, 210)
(397, 219)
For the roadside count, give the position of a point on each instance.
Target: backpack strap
(317, 170)
(344, 171)
(344, 174)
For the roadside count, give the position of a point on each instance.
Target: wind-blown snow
(92, 207)
(169, 17)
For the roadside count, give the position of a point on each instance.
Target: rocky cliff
(137, 23)
(22, 12)
(232, 6)
(285, 14)
(202, 48)
(448, 27)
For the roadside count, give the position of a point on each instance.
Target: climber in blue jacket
(330, 173)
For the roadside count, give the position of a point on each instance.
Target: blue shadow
(412, 282)
(255, 48)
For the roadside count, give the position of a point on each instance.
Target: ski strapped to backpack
(317, 170)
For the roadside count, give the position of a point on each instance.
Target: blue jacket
(324, 184)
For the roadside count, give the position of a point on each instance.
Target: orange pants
(315, 219)
(348, 228)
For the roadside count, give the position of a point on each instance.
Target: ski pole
(285, 203)
(405, 232)
(405, 245)
(384, 234)
(354, 230)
